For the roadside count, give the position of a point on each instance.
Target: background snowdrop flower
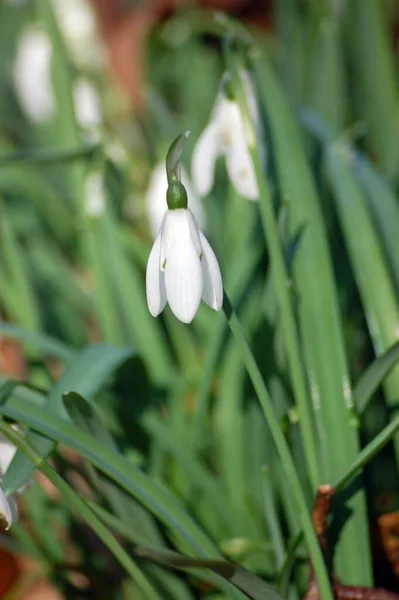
(32, 75)
(78, 25)
(8, 510)
(8, 504)
(95, 200)
(87, 104)
(156, 194)
(228, 134)
(182, 267)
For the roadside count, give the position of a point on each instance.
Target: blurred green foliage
(173, 451)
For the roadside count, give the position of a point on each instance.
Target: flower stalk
(255, 375)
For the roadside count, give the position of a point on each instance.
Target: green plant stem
(49, 156)
(280, 279)
(283, 450)
(83, 510)
(369, 452)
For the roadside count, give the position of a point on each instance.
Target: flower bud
(176, 195)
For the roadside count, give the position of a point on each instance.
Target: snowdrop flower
(156, 194)
(95, 200)
(87, 104)
(8, 504)
(182, 267)
(78, 25)
(32, 75)
(228, 134)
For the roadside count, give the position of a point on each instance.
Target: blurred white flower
(87, 104)
(32, 75)
(8, 510)
(95, 195)
(8, 504)
(7, 452)
(228, 134)
(182, 268)
(156, 198)
(78, 25)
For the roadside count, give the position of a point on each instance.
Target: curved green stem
(315, 553)
(83, 510)
(49, 156)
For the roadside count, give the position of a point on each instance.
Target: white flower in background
(78, 25)
(32, 75)
(87, 104)
(8, 510)
(182, 267)
(8, 504)
(228, 134)
(95, 195)
(156, 194)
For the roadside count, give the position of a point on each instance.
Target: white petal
(32, 75)
(212, 292)
(95, 195)
(155, 280)
(87, 103)
(240, 168)
(183, 279)
(178, 224)
(205, 153)
(8, 510)
(7, 451)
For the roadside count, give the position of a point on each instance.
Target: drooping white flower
(78, 25)
(8, 510)
(32, 75)
(87, 104)
(95, 195)
(156, 194)
(7, 452)
(8, 504)
(182, 267)
(228, 134)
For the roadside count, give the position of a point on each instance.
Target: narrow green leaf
(369, 451)
(378, 294)
(68, 494)
(200, 478)
(384, 206)
(84, 414)
(6, 389)
(319, 320)
(252, 586)
(24, 307)
(86, 374)
(167, 580)
(328, 92)
(43, 342)
(374, 376)
(157, 499)
(375, 80)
